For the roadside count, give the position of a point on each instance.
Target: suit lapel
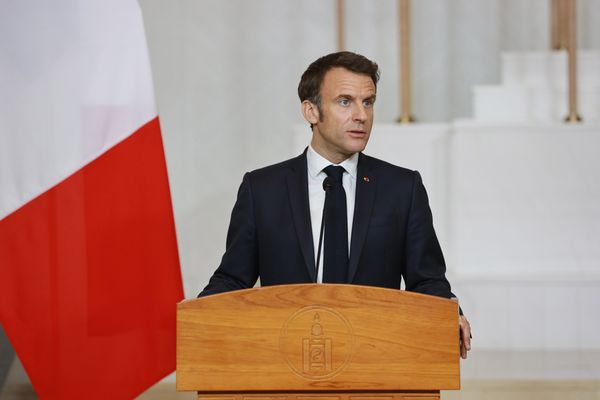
(297, 182)
(365, 196)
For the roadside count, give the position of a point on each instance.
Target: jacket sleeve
(424, 267)
(239, 265)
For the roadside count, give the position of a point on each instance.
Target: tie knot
(335, 172)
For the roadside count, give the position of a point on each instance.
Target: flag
(89, 269)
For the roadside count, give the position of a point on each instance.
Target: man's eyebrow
(351, 97)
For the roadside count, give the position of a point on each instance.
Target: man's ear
(310, 112)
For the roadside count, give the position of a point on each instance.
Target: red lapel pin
(366, 179)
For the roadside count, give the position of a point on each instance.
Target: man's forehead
(341, 80)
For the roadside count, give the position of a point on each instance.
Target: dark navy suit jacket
(393, 237)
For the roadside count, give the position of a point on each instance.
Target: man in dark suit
(378, 225)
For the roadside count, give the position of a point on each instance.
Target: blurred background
(514, 190)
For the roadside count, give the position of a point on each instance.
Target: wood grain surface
(327, 338)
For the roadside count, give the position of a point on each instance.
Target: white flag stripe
(54, 119)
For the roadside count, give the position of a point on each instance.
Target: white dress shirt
(316, 196)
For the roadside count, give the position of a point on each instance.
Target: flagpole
(341, 25)
(405, 89)
(573, 116)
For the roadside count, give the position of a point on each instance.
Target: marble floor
(486, 375)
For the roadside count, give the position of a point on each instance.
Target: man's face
(342, 125)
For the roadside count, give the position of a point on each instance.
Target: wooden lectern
(318, 342)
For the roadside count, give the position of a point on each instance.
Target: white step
(536, 104)
(549, 69)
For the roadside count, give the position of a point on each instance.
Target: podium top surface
(317, 338)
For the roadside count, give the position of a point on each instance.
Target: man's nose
(360, 114)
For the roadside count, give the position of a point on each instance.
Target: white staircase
(534, 88)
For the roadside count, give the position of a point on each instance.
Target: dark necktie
(335, 265)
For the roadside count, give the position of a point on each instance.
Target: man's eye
(344, 102)
(368, 103)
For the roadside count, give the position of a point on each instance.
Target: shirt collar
(317, 162)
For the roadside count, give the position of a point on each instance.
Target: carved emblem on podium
(316, 349)
(316, 342)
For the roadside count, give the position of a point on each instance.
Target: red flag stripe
(90, 276)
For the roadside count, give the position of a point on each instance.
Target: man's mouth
(357, 132)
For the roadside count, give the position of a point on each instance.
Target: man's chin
(358, 145)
